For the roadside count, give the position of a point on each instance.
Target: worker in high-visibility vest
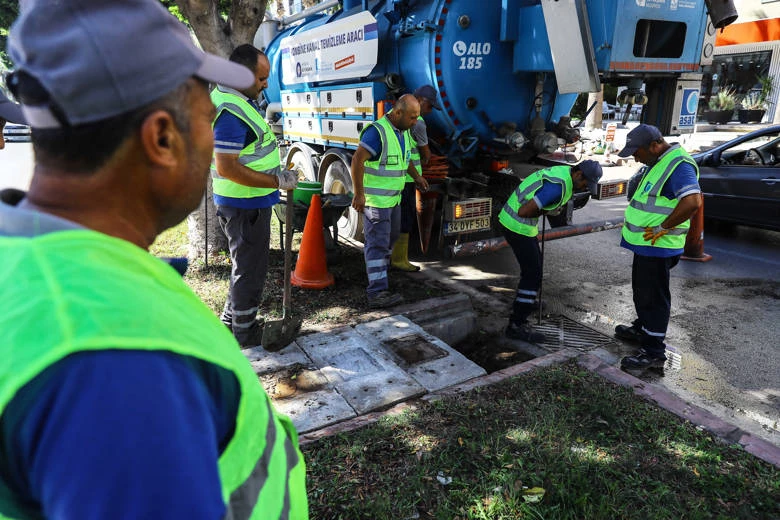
(541, 192)
(656, 222)
(421, 154)
(378, 170)
(122, 395)
(246, 176)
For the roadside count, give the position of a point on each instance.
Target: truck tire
(339, 181)
(299, 161)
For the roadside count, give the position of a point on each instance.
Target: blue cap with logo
(98, 59)
(639, 137)
(592, 171)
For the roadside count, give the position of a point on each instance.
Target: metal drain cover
(562, 332)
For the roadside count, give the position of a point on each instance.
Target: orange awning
(749, 32)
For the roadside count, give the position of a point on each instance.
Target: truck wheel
(339, 181)
(302, 163)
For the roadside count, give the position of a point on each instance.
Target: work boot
(641, 360)
(384, 299)
(399, 258)
(251, 338)
(524, 332)
(630, 333)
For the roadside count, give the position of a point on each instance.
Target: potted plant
(752, 108)
(755, 103)
(722, 106)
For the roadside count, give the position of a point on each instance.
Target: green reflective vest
(648, 208)
(525, 191)
(261, 155)
(415, 157)
(384, 178)
(75, 291)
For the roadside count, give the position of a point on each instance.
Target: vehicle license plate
(467, 225)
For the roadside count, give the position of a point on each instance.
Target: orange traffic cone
(311, 271)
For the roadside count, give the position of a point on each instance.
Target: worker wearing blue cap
(541, 192)
(122, 395)
(657, 220)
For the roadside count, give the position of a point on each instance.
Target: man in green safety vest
(541, 192)
(121, 394)
(421, 154)
(657, 220)
(246, 175)
(379, 167)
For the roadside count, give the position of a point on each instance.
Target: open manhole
(562, 332)
(412, 350)
(292, 381)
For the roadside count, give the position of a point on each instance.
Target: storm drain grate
(562, 332)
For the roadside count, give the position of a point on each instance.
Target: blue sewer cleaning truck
(506, 72)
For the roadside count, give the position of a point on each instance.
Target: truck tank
(507, 74)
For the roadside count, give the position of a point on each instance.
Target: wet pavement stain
(293, 381)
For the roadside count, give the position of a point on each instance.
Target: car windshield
(761, 151)
(757, 142)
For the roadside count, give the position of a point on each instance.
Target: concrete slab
(359, 369)
(263, 361)
(430, 361)
(298, 388)
(316, 410)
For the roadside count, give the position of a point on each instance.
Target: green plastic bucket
(304, 191)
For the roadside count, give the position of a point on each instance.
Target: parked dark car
(740, 179)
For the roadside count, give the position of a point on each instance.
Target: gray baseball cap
(10, 111)
(101, 58)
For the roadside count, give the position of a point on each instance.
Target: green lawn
(592, 448)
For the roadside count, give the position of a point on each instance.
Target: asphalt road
(725, 317)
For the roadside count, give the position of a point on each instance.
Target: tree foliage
(9, 10)
(221, 25)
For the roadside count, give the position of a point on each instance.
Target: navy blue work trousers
(652, 299)
(380, 230)
(529, 257)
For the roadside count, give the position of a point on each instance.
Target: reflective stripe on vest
(259, 155)
(560, 175)
(384, 178)
(648, 208)
(261, 470)
(415, 156)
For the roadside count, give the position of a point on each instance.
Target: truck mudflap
(495, 243)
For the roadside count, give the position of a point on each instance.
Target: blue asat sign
(690, 103)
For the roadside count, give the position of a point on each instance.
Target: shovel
(277, 334)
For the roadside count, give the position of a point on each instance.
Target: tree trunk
(594, 119)
(196, 226)
(218, 33)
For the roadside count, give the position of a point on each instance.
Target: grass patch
(595, 449)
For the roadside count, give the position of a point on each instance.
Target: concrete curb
(721, 429)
